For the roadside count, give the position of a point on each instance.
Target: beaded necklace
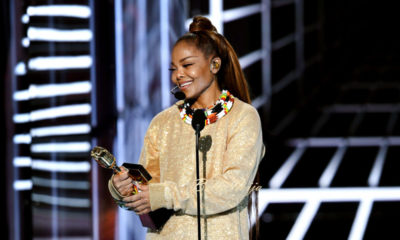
(220, 109)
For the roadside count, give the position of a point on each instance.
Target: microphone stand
(198, 123)
(198, 181)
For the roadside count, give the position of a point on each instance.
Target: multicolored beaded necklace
(220, 109)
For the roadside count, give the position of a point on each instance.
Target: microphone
(178, 94)
(198, 120)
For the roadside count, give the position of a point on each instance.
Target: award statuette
(154, 220)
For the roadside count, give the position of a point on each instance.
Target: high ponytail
(206, 38)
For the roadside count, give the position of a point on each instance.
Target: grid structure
(342, 173)
(51, 86)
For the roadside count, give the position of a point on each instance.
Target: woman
(206, 69)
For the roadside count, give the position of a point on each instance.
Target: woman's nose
(179, 74)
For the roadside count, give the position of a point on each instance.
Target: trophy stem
(116, 169)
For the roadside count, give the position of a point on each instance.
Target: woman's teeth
(185, 84)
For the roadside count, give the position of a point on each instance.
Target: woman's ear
(215, 65)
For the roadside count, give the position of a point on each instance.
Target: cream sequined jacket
(231, 149)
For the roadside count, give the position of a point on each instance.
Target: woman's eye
(171, 69)
(187, 65)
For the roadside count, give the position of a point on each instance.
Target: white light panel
(61, 111)
(60, 62)
(53, 90)
(60, 147)
(61, 130)
(59, 35)
(59, 10)
(60, 166)
(22, 185)
(61, 201)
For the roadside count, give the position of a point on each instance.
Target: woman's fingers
(144, 211)
(126, 190)
(138, 204)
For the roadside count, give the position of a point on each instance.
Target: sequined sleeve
(223, 191)
(149, 156)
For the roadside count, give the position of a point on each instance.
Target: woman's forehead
(185, 49)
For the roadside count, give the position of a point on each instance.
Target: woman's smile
(184, 85)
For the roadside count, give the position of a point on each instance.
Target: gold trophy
(137, 172)
(154, 220)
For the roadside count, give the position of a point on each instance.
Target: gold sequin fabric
(230, 151)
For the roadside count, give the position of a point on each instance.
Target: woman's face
(190, 70)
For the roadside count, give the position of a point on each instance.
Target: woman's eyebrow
(183, 59)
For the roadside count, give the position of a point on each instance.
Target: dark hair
(206, 38)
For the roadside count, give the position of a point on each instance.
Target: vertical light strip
(280, 176)
(119, 71)
(262, 204)
(374, 177)
(361, 219)
(216, 14)
(164, 52)
(93, 120)
(330, 171)
(304, 220)
(14, 197)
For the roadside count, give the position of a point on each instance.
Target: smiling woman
(205, 68)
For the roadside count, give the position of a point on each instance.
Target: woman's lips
(185, 84)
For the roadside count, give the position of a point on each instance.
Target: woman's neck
(207, 98)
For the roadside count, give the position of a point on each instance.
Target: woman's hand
(122, 182)
(140, 202)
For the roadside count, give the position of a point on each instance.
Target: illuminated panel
(52, 120)
(61, 130)
(66, 184)
(62, 111)
(50, 34)
(61, 147)
(281, 175)
(345, 194)
(61, 201)
(60, 11)
(60, 62)
(53, 90)
(22, 162)
(304, 220)
(22, 185)
(60, 166)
